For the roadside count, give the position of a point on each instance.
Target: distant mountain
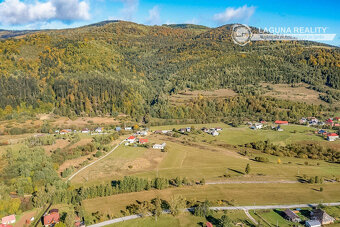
(131, 68)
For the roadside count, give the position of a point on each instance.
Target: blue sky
(36, 14)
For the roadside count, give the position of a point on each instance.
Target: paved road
(113, 149)
(245, 208)
(250, 217)
(254, 182)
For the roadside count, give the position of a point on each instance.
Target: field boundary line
(92, 163)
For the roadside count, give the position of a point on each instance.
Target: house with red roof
(332, 136)
(8, 219)
(208, 224)
(52, 218)
(131, 139)
(330, 122)
(281, 122)
(143, 141)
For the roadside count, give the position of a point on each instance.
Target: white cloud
(192, 21)
(154, 16)
(232, 14)
(16, 12)
(129, 9)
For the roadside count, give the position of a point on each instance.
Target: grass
(239, 194)
(196, 160)
(183, 219)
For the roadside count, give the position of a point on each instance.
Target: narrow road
(250, 217)
(254, 182)
(245, 208)
(85, 167)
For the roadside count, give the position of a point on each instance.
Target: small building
(131, 139)
(159, 146)
(332, 136)
(8, 219)
(208, 224)
(142, 133)
(143, 141)
(65, 131)
(85, 130)
(321, 216)
(99, 130)
(291, 216)
(128, 128)
(281, 122)
(329, 122)
(218, 129)
(215, 133)
(158, 132)
(313, 223)
(204, 129)
(52, 218)
(257, 126)
(118, 129)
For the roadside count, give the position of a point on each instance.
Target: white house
(313, 223)
(128, 128)
(85, 130)
(99, 130)
(214, 133)
(159, 146)
(332, 136)
(131, 139)
(142, 133)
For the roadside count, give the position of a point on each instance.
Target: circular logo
(241, 34)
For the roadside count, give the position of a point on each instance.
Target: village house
(329, 122)
(85, 130)
(332, 136)
(51, 218)
(131, 139)
(128, 128)
(65, 131)
(257, 126)
(99, 130)
(118, 129)
(159, 146)
(142, 133)
(143, 141)
(281, 122)
(215, 133)
(204, 129)
(218, 129)
(8, 219)
(321, 216)
(291, 216)
(313, 223)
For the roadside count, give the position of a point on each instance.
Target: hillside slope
(118, 66)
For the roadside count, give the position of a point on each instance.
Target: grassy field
(190, 157)
(239, 194)
(183, 220)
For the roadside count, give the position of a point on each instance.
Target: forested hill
(118, 66)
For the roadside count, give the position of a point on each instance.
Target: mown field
(200, 156)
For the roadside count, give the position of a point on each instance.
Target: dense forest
(122, 67)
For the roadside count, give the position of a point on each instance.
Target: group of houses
(139, 138)
(212, 131)
(98, 130)
(53, 217)
(313, 121)
(330, 136)
(318, 217)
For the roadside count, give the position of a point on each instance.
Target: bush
(261, 159)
